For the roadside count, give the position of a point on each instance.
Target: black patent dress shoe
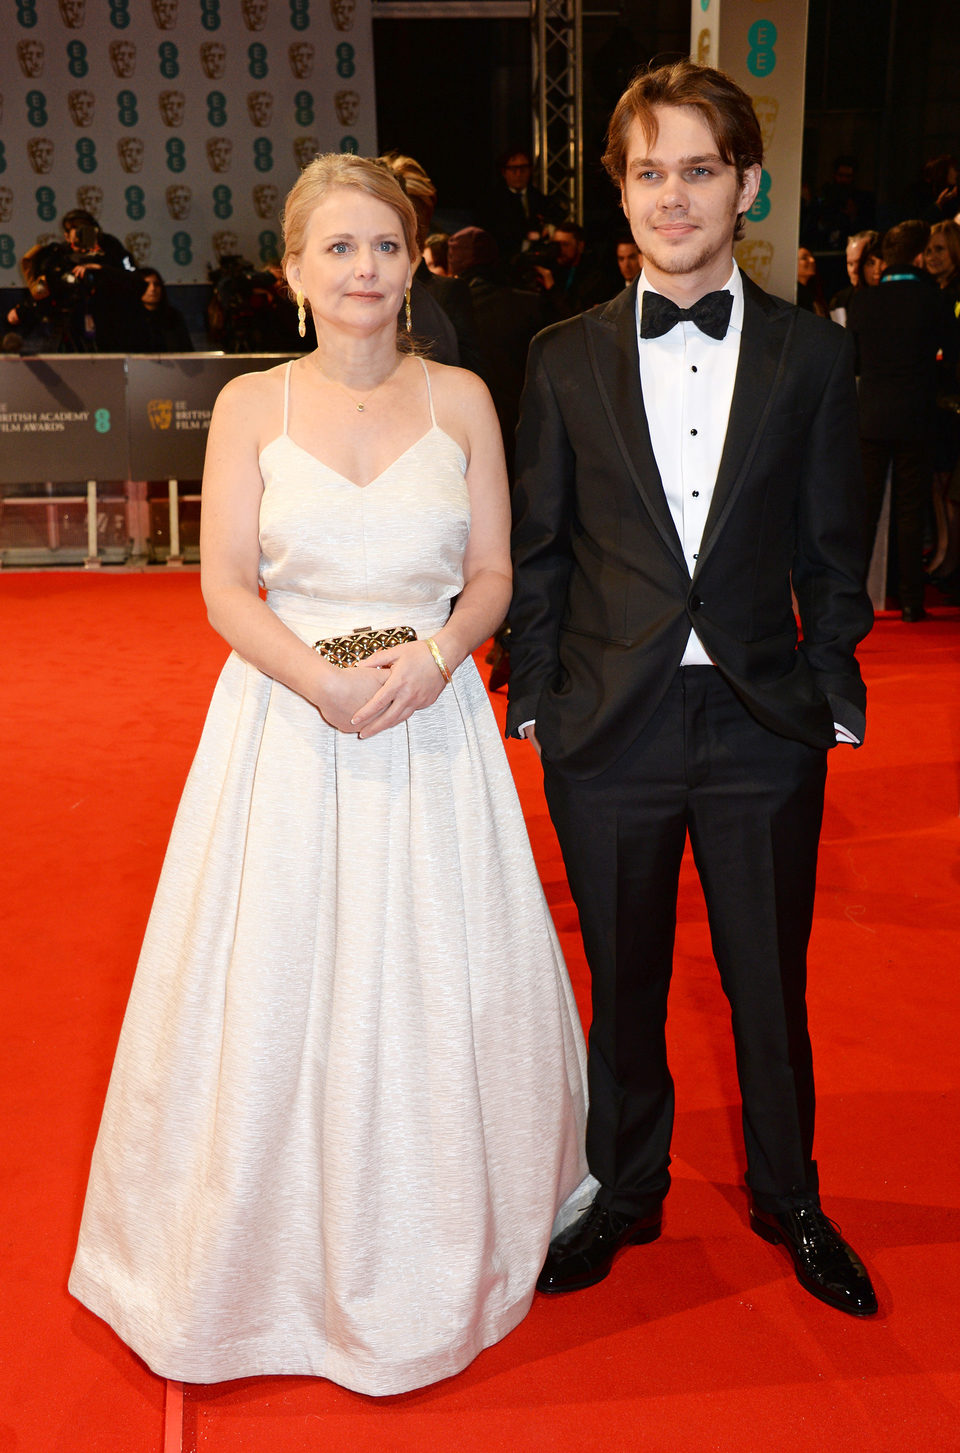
(825, 1265)
(912, 614)
(583, 1254)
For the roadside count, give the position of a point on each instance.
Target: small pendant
(359, 408)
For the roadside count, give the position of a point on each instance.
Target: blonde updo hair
(325, 174)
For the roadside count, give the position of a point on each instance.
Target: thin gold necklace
(363, 402)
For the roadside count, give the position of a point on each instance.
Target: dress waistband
(314, 620)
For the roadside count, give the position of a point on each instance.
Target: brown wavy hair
(723, 105)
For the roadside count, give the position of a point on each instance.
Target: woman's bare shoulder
(254, 401)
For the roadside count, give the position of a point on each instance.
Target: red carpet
(702, 1341)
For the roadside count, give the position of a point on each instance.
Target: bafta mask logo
(30, 56)
(160, 413)
(266, 200)
(703, 48)
(138, 246)
(179, 198)
(164, 13)
(260, 107)
(225, 244)
(123, 58)
(755, 258)
(6, 204)
(302, 55)
(172, 106)
(766, 108)
(130, 151)
(219, 153)
(255, 14)
(213, 58)
(347, 105)
(81, 106)
(40, 152)
(305, 148)
(90, 199)
(342, 13)
(72, 13)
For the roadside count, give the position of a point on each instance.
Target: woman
(348, 1098)
(809, 286)
(941, 259)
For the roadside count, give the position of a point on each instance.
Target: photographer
(80, 291)
(250, 309)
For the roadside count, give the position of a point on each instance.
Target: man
(517, 211)
(670, 486)
(629, 260)
(899, 329)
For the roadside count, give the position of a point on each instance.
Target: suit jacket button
(695, 602)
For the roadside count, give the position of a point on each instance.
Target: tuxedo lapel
(767, 327)
(611, 335)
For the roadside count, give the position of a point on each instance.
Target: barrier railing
(114, 429)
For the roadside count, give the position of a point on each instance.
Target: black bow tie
(710, 313)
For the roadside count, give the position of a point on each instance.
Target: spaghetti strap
(286, 394)
(426, 374)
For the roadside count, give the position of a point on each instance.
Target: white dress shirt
(687, 381)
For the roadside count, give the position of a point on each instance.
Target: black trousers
(752, 803)
(910, 493)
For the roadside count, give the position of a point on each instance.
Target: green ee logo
(134, 197)
(101, 421)
(36, 108)
(176, 155)
(345, 65)
(257, 56)
(77, 57)
(169, 60)
(119, 16)
(217, 108)
(351, 144)
(222, 202)
(269, 246)
(762, 56)
(210, 14)
(300, 14)
(182, 251)
(303, 114)
(127, 108)
(8, 255)
(86, 155)
(761, 203)
(46, 204)
(263, 154)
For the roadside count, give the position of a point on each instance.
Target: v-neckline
(345, 477)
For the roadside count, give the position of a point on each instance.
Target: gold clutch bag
(362, 642)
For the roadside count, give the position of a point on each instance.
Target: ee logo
(263, 154)
(169, 60)
(222, 202)
(345, 65)
(269, 246)
(46, 204)
(77, 57)
(217, 108)
(257, 57)
(119, 17)
(101, 421)
(182, 251)
(86, 155)
(136, 211)
(761, 203)
(36, 108)
(350, 143)
(176, 155)
(127, 108)
(762, 56)
(8, 256)
(300, 14)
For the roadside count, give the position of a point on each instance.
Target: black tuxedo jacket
(603, 600)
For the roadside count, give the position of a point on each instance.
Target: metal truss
(557, 46)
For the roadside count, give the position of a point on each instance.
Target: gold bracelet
(441, 663)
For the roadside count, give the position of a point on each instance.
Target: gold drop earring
(409, 317)
(301, 315)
